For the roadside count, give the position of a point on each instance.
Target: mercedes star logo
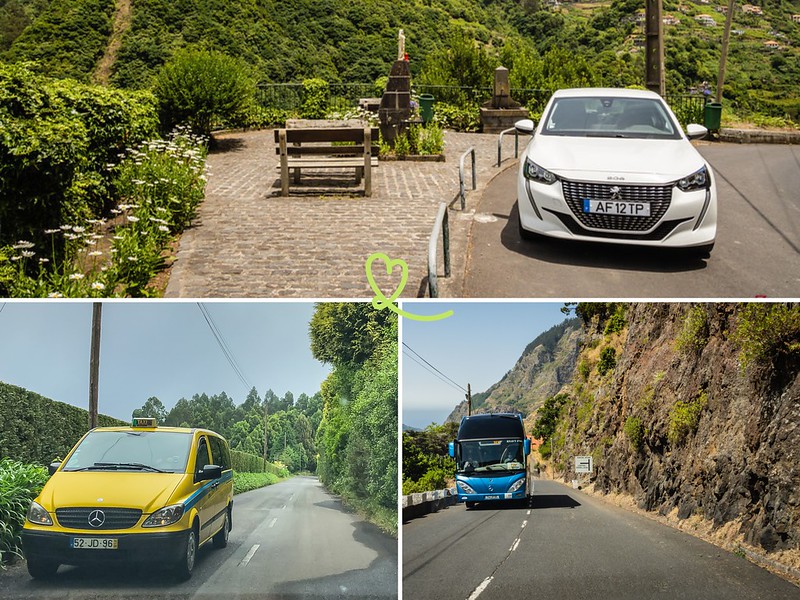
(97, 518)
(615, 192)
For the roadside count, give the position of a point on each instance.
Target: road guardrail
(416, 505)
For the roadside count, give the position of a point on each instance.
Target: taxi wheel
(185, 565)
(41, 569)
(221, 537)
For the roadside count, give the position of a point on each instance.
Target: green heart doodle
(380, 301)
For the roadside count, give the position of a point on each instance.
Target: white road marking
(271, 523)
(480, 588)
(525, 522)
(529, 511)
(282, 507)
(514, 545)
(250, 554)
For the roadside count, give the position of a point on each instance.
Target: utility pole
(94, 363)
(468, 395)
(725, 37)
(266, 414)
(654, 47)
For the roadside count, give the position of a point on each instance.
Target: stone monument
(395, 107)
(501, 112)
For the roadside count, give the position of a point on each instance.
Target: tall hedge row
(35, 429)
(250, 463)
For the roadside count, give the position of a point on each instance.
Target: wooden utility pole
(266, 414)
(654, 47)
(468, 395)
(94, 363)
(725, 37)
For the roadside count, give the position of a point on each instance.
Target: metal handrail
(500, 144)
(462, 191)
(441, 224)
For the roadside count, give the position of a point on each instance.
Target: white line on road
(250, 554)
(514, 545)
(271, 523)
(480, 588)
(525, 522)
(529, 512)
(282, 507)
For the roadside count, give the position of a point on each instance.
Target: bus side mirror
(451, 449)
(527, 446)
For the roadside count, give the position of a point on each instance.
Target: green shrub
(685, 417)
(402, 144)
(634, 431)
(458, 118)
(616, 322)
(608, 360)
(19, 484)
(694, 335)
(434, 479)
(315, 99)
(200, 88)
(584, 369)
(244, 482)
(430, 140)
(767, 332)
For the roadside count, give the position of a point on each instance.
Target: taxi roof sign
(143, 422)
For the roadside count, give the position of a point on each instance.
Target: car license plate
(616, 207)
(93, 543)
(491, 497)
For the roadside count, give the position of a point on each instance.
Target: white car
(613, 165)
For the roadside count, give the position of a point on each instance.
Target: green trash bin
(426, 107)
(712, 117)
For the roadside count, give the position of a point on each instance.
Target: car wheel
(39, 568)
(528, 236)
(221, 537)
(185, 565)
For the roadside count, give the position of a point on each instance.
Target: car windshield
(490, 455)
(641, 118)
(144, 451)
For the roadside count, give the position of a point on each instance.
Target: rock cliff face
(545, 366)
(681, 425)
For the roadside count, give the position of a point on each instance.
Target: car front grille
(658, 196)
(113, 518)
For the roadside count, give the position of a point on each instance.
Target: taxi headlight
(166, 516)
(516, 485)
(38, 515)
(465, 488)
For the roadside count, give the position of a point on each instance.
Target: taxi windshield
(144, 451)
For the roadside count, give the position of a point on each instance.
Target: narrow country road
(289, 541)
(568, 545)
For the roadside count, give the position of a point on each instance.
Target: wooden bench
(313, 148)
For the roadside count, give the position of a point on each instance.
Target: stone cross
(401, 45)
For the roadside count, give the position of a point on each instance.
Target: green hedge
(35, 429)
(244, 482)
(250, 463)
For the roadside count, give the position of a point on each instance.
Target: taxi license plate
(616, 207)
(91, 543)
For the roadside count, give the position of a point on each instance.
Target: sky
(156, 348)
(477, 345)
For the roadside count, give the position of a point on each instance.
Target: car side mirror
(695, 131)
(209, 472)
(525, 126)
(53, 467)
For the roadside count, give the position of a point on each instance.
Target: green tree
(152, 408)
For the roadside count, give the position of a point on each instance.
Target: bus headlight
(465, 488)
(516, 485)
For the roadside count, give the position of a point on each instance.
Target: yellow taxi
(140, 493)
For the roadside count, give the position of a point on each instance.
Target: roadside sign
(583, 464)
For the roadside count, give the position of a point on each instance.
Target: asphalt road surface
(757, 250)
(570, 546)
(289, 541)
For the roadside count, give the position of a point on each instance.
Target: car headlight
(465, 488)
(38, 515)
(536, 173)
(516, 485)
(166, 516)
(699, 180)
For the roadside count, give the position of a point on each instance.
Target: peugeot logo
(97, 518)
(615, 192)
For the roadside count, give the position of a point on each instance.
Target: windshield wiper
(102, 466)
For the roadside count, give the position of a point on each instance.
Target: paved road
(308, 547)
(757, 250)
(570, 546)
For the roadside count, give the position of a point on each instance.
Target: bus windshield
(490, 455)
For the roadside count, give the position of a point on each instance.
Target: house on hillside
(670, 20)
(722, 9)
(772, 45)
(706, 20)
(796, 18)
(751, 9)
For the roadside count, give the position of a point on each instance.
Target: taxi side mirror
(209, 472)
(53, 467)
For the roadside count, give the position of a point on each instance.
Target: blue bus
(491, 455)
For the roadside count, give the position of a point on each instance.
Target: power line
(431, 371)
(434, 368)
(226, 350)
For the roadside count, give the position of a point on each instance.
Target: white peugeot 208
(613, 165)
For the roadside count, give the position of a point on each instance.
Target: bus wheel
(471, 505)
